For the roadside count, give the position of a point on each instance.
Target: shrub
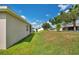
(46, 26)
(58, 26)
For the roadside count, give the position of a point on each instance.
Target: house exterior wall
(69, 26)
(2, 31)
(15, 30)
(41, 29)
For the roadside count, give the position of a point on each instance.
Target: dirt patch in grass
(64, 36)
(65, 40)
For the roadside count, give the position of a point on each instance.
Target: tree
(56, 21)
(74, 13)
(46, 26)
(65, 17)
(58, 26)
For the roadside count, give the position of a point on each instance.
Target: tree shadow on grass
(26, 39)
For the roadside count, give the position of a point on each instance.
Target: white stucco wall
(71, 24)
(2, 31)
(41, 29)
(12, 29)
(15, 30)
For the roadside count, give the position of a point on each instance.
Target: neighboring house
(40, 29)
(69, 26)
(34, 30)
(13, 28)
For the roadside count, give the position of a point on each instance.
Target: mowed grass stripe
(46, 43)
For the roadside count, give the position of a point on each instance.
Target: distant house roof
(9, 11)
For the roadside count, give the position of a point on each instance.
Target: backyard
(46, 43)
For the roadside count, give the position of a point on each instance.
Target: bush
(58, 26)
(46, 26)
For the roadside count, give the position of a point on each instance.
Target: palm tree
(65, 17)
(73, 15)
(56, 21)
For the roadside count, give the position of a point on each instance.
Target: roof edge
(8, 10)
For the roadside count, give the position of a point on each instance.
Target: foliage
(73, 15)
(46, 26)
(67, 17)
(56, 21)
(58, 26)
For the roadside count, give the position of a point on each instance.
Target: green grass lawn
(46, 42)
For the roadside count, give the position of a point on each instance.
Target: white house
(40, 29)
(69, 26)
(13, 28)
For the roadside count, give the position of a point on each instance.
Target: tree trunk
(74, 25)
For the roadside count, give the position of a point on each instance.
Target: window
(27, 28)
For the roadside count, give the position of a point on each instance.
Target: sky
(36, 14)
